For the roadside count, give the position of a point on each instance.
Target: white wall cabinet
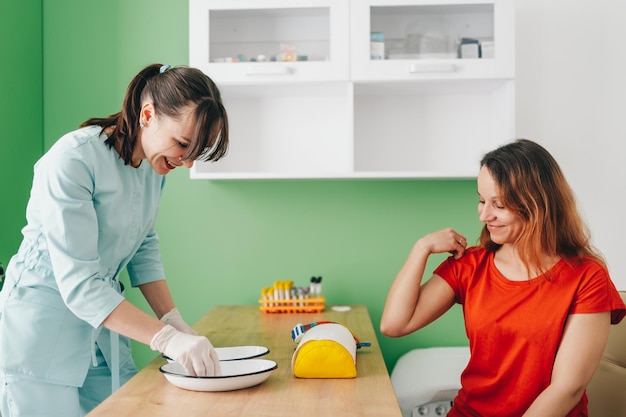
(306, 100)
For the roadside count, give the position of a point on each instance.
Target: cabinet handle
(264, 69)
(422, 68)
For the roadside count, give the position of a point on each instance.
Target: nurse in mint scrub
(64, 321)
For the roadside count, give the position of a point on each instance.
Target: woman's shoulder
(77, 156)
(584, 264)
(583, 273)
(83, 146)
(475, 255)
(83, 137)
(477, 251)
(595, 289)
(473, 258)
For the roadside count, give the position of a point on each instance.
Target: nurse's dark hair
(171, 91)
(530, 183)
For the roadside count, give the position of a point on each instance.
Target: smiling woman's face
(164, 140)
(504, 226)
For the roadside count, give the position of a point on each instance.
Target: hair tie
(164, 68)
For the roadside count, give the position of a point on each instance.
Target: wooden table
(282, 394)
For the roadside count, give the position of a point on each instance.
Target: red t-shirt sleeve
(457, 272)
(597, 293)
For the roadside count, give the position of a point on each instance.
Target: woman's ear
(147, 113)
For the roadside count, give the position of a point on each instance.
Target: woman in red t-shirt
(537, 297)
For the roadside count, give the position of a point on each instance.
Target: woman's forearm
(158, 295)
(132, 322)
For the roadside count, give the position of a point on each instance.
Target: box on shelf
(377, 45)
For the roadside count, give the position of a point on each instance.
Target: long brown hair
(171, 89)
(531, 184)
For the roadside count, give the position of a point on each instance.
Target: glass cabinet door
(437, 39)
(244, 41)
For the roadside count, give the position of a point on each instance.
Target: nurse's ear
(146, 114)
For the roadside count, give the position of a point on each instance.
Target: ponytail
(170, 89)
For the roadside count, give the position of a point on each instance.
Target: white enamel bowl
(236, 375)
(235, 353)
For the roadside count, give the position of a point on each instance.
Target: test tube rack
(283, 297)
(307, 305)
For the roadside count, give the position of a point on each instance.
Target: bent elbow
(575, 390)
(571, 392)
(391, 330)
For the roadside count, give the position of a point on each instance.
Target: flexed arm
(412, 305)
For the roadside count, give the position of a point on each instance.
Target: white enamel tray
(236, 374)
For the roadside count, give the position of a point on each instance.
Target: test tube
(301, 296)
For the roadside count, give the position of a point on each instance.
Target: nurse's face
(164, 140)
(504, 226)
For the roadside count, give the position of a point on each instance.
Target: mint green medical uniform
(89, 217)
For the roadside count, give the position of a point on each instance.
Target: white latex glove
(195, 353)
(173, 318)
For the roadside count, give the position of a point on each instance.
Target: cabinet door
(286, 131)
(430, 129)
(269, 41)
(432, 39)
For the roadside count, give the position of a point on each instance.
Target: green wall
(21, 114)
(223, 241)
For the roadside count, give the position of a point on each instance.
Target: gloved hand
(174, 319)
(195, 353)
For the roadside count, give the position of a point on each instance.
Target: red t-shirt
(515, 328)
